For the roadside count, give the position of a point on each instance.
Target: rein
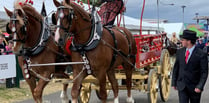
(118, 52)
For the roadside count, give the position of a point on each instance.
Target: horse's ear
(54, 21)
(56, 3)
(9, 13)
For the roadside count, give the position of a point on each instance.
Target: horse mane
(79, 9)
(27, 9)
(32, 11)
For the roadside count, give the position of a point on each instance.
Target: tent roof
(169, 28)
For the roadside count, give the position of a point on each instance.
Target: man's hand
(197, 90)
(123, 9)
(174, 88)
(1, 50)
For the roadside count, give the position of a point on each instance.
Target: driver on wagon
(109, 10)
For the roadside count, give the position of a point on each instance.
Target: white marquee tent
(170, 28)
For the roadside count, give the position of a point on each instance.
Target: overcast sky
(171, 13)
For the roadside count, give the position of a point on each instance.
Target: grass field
(10, 95)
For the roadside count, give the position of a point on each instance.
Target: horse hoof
(64, 97)
(116, 100)
(130, 100)
(66, 101)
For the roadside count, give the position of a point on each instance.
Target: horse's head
(69, 18)
(172, 47)
(23, 26)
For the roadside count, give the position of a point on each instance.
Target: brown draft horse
(26, 25)
(73, 19)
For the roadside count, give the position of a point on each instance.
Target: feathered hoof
(116, 100)
(64, 97)
(130, 100)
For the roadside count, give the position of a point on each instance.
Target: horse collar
(95, 36)
(40, 45)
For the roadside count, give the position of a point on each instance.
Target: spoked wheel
(165, 76)
(85, 93)
(152, 86)
(108, 91)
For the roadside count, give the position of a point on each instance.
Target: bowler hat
(189, 35)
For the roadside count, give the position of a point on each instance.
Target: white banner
(7, 66)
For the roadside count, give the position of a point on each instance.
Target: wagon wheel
(152, 86)
(165, 78)
(85, 93)
(108, 84)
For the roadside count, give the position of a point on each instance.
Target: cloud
(172, 13)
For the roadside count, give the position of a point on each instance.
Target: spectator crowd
(6, 49)
(202, 42)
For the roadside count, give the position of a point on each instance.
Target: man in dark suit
(190, 70)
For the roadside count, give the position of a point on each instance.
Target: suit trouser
(186, 96)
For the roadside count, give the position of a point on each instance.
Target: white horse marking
(64, 97)
(116, 100)
(57, 34)
(130, 100)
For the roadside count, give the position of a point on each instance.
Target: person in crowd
(205, 39)
(200, 44)
(9, 47)
(8, 51)
(109, 10)
(2, 45)
(174, 39)
(206, 49)
(190, 70)
(2, 49)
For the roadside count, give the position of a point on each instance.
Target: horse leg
(75, 91)
(38, 91)
(114, 83)
(64, 95)
(32, 84)
(102, 83)
(128, 71)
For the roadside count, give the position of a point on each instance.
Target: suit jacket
(193, 74)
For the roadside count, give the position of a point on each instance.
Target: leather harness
(40, 45)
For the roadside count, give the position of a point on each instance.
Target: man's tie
(187, 56)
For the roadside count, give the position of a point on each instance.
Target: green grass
(11, 94)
